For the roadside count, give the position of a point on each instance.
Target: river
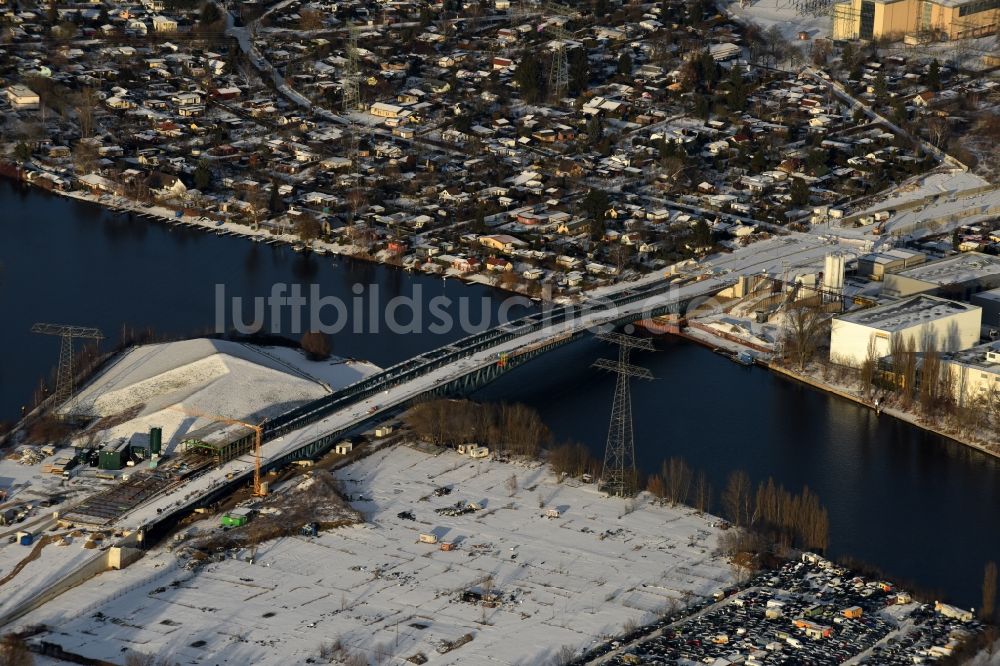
(912, 503)
(69, 262)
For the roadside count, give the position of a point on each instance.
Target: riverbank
(259, 234)
(909, 417)
(731, 348)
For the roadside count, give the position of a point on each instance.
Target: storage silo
(834, 266)
(155, 440)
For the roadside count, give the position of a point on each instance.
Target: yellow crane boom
(258, 486)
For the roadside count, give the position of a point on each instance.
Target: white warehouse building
(927, 320)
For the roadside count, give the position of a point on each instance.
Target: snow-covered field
(781, 13)
(926, 186)
(561, 581)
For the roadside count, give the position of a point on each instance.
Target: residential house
(163, 24)
(22, 97)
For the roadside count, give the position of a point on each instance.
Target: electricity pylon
(559, 71)
(619, 474)
(352, 76)
(67, 333)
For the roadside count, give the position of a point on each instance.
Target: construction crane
(258, 430)
(67, 333)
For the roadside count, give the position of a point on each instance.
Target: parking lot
(808, 612)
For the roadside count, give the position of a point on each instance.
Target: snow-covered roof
(904, 314)
(953, 270)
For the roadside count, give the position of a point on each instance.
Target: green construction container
(229, 520)
(112, 459)
(155, 440)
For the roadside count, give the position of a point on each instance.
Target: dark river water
(918, 506)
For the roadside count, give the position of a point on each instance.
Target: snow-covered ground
(935, 184)
(781, 13)
(335, 372)
(169, 384)
(561, 581)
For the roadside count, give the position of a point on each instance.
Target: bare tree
(656, 487)
(938, 130)
(677, 476)
(820, 52)
(869, 369)
(316, 345)
(931, 397)
(988, 608)
(307, 228)
(805, 324)
(737, 499)
(774, 44)
(14, 651)
(85, 112)
(85, 157)
(702, 493)
(310, 19)
(904, 358)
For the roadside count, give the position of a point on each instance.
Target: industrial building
(927, 320)
(957, 277)
(900, 19)
(974, 373)
(989, 301)
(878, 264)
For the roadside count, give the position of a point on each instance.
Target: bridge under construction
(463, 366)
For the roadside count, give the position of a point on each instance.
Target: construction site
(160, 415)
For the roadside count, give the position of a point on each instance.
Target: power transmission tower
(352, 76)
(67, 333)
(619, 473)
(559, 71)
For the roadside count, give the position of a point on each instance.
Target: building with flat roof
(974, 373)
(897, 19)
(928, 321)
(957, 277)
(22, 97)
(383, 110)
(877, 265)
(989, 301)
